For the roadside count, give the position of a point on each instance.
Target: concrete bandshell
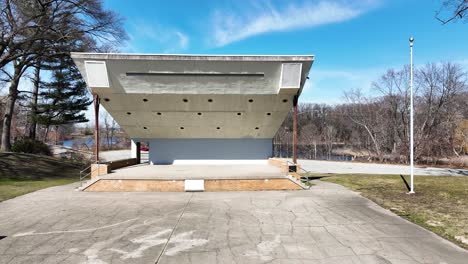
(214, 104)
(154, 96)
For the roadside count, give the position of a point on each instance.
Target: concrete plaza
(327, 224)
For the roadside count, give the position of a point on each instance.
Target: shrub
(87, 131)
(27, 145)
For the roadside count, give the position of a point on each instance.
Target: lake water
(88, 141)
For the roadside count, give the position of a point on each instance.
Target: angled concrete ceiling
(190, 96)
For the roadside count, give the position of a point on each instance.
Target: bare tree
(379, 125)
(438, 115)
(35, 28)
(329, 137)
(110, 127)
(394, 89)
(461, 139)
(365, 112)
(452, 10)
(311, 137)
(20, 65)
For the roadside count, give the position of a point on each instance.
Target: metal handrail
(85, 169)
(82, 177)
(301, 178)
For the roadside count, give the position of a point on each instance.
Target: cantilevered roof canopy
(195, 96)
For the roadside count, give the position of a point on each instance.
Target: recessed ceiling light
(128, 113)
(199, 113)
(185, 100)
(159, 113)
(218, 128)
(239, 113)
(181, 127)
(145, 128)
(106, 99)
(145, 100)
(257, 128)
(250, 100)
(210, 100)
(285, 100)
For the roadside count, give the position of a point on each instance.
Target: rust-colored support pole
(295, 129)
(96, 126)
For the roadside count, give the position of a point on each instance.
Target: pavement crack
(339, 240)
(173, 230)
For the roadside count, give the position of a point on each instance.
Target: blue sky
(354, 41)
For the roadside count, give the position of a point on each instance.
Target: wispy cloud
(183, 40)
(463, 63)
(164, 39)
(262, 18)
(328, 85)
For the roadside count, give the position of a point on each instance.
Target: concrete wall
(169, 151)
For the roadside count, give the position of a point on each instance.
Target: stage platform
(191, 172)
(227, 177)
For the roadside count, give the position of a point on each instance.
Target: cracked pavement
(327, 224)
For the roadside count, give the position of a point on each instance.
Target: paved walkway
(328, 224)
(320, 166)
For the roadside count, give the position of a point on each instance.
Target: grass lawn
(440, 203)
(25, 173)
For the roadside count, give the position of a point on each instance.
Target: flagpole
(411, 119)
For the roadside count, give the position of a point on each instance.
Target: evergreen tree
(63, 99)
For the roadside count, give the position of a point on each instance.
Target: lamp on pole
(411, 40)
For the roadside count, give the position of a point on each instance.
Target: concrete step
(186, 185)
(298, 182)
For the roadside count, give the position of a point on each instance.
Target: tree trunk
(56, 134)
(376, 145)
(33, 123)
(10, 108)
(315, 150)
(112, 134)
(46, 134)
